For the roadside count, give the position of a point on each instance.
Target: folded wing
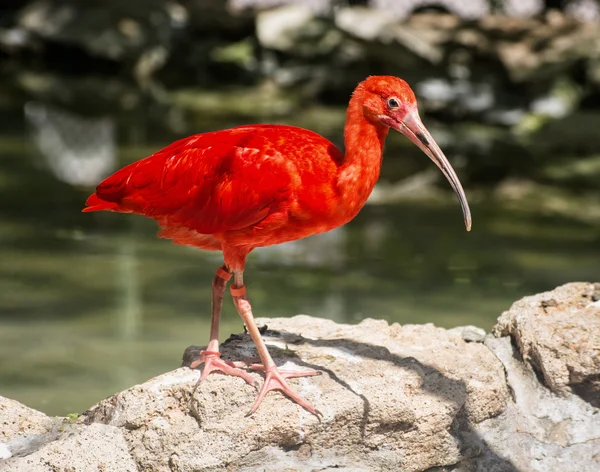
(210, 183)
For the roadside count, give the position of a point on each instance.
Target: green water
(93, 303)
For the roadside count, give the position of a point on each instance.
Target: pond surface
(94, 303)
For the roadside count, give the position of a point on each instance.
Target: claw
(213, 362)
(276, 380)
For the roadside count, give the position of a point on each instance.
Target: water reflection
(92, 303)
(78, 150)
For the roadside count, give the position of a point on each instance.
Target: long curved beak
(414, 129)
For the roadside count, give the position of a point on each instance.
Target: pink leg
(274, 378)
(211, 357)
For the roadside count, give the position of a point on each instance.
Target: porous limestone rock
(18, 420)
(558, 334)
(388, 394)
(410, 398)
(96, 447)
(539, 431)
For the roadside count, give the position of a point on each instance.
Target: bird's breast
(300, 217)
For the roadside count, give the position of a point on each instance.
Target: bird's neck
(358, 174)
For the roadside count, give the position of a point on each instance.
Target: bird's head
(390, 102)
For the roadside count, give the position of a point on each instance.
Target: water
(94, 303)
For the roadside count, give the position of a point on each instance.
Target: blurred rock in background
(509, 83)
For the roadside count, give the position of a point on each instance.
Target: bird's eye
(393, 103)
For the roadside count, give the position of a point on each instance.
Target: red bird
(238, 189)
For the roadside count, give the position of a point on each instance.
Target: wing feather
(211, 183)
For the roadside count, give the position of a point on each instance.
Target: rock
(469, 64)
(376, 380)
(31, 441)
(316, 6)
(565, 42)
(284, 28)
(18, 420)
(471, 334)
(363, 23)
(96, 447)
(392, 37)
(538, 431)
(389, 397)
(558, 334)
(467, 10)
(410, 398)
(123, 33)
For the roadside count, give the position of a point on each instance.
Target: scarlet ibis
(257, 185)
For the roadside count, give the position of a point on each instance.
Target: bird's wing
(212, 183)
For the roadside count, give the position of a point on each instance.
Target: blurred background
(93, 303)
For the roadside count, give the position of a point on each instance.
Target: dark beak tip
(421, 137)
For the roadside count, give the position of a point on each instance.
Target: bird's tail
(94, 203)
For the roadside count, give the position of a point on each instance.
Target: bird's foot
(212, 362)
(275, 379)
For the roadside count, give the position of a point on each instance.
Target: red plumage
(238, 189)
(252, 185)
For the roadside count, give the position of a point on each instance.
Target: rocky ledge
(409, 398)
